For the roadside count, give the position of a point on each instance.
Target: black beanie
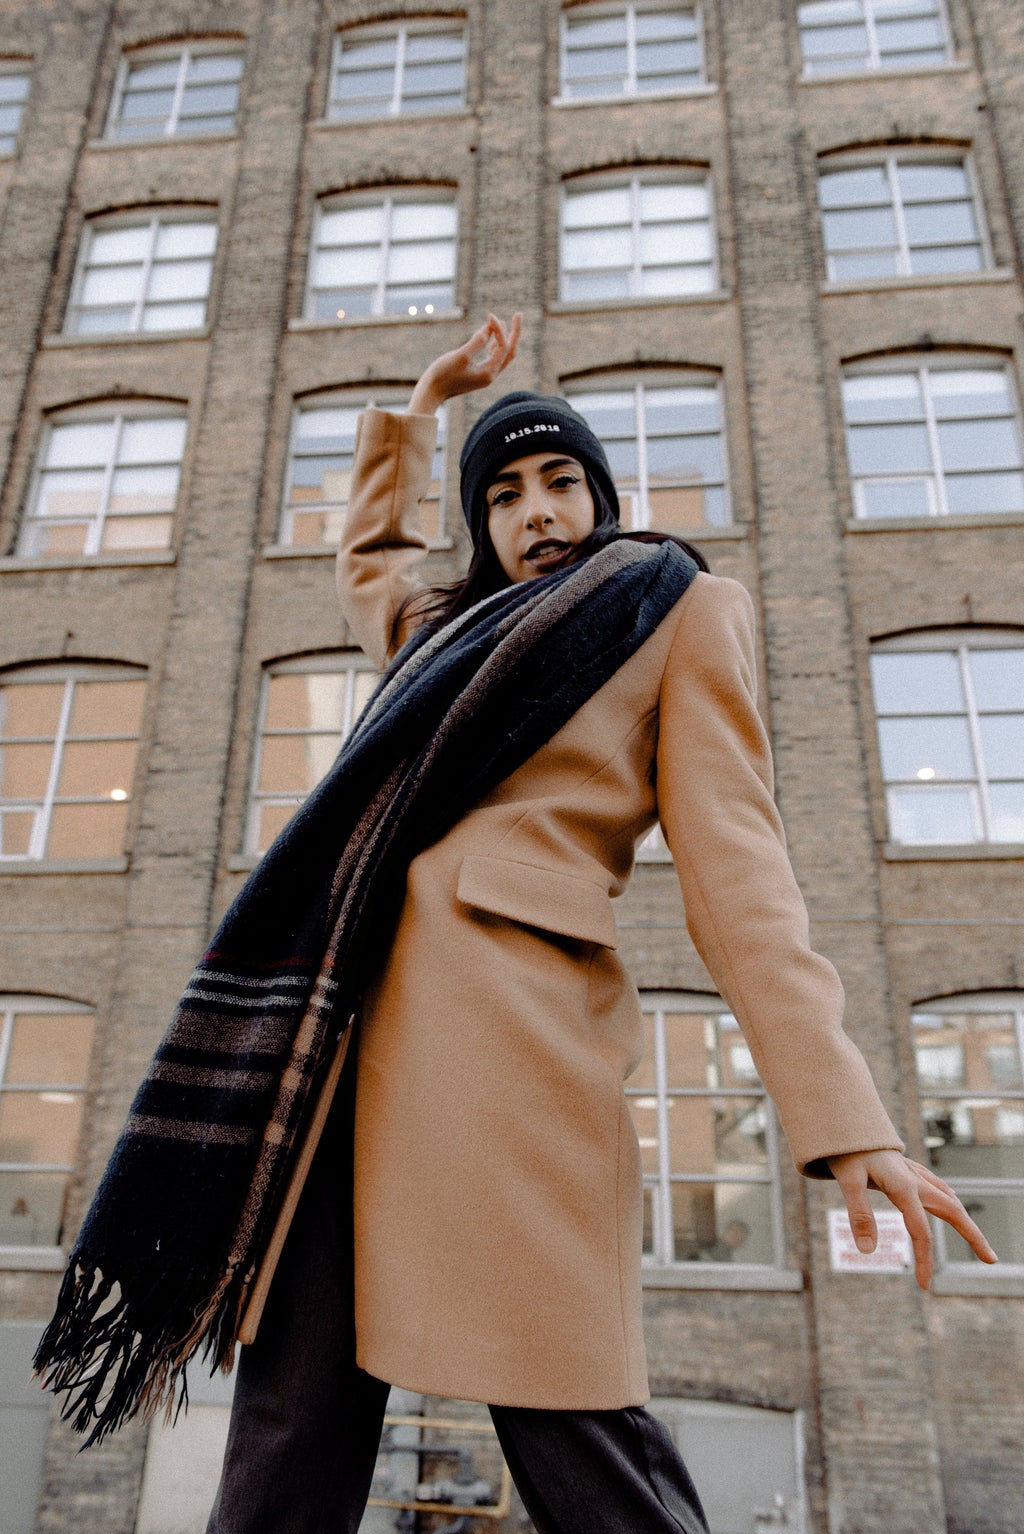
(515, 426)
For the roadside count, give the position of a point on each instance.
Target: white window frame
(978, 1003)
(82, 671)
(184, 53)
(891, 159)
(12, 1002)
(387, 200)
(668, 379)
(875, 61)
(401, 31)
(630, 89)
(661, 1264)
(634, 180)
(19, 69)
(953, 362)
(121, 413)
(153, 222)
(329, 662)
(961, 643)
(356, 399)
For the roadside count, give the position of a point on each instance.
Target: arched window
(45, 1043)
(307, 707)
(177, 91)
(933, 437)
(14, 89)
(383, 253)
(399, 69)
(950, 713)
(69, 736)
(106, 479)
(901, 214)
(642, 235)
(844, 36)
(664, 437)
(641, 49)
(320, 467)
(708, 1141)
(143, 271)
(970, 1071)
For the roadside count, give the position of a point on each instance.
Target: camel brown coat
(497, 1171)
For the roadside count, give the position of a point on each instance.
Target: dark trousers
(306, 1421)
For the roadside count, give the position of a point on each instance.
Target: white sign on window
(893, 1254)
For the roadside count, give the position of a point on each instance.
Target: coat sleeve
(382, 543)
(744, 910)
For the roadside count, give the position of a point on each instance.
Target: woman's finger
(853, 1184)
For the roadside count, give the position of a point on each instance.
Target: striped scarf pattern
(166, 1256)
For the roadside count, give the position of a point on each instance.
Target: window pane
(1002, 744)
(665, 281)
(594, 30)
(69, 494)
(111, 285)
(691, 408)
(433, 262)
(933, 816)
(873, 449)
(998, 677)
(271, 820)
(896, 498)
(93, 768)
(214, 66)
(16, 830)
(179, 279)
(587, 210)
(942, 223)
(295, 763)
(975, 1136)
(979, 444)
(985, 1044)
(1001, 1217)
(423, 220)
(352, 226)
(30, 708)
(1007, 805)
(40, 1126)
(114, 247)
(181, 240)
(961, 392)
(157, 440)
(598, 248)
(866, 185)
(82, 445)
(144, 532)
(928, 682)
(25, 771)
(722, 1222)
(49, 1047)
(306, 701)
(179, 316)
(200, 100)
(87, 831)
(883, 397)
(32, 1208)
(349, 265)
(861, 227)
(969, 493)
(928, 749)
(449, 44)
(663, 244)
(107, 708)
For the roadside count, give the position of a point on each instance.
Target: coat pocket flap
(538, 897)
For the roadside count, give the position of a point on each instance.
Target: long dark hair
(437, 605)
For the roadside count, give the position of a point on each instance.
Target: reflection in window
(389, 255)
(183, 93)
(320, 471)
(838, 36)
(105, 483)
(630, 50)
(68, 742)
(14, 88)
(934, 441)
(644, 237)
(409, 70)
(899, 217)
(307, 709)
(143, 274)
(951, 737)
(707, 1139)
(969, 1052)
(44, 1063)
(664, 444)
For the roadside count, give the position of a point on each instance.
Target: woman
(540, 716)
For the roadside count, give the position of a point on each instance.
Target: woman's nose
(537, 513)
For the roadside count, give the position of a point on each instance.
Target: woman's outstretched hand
(916, 1193)
(488, 351)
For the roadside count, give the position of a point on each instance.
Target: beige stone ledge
(706, 1275)
(951, 67)
(362, 321)
(64, 866)
(638, 98)
(989, 1282)
(993, 274)
(960, 522)
(13, 564)
(124, 338)
(895, 852)
(320, 550)
(162, 141)
(645, 301)
(40, 1259)
(391, 121)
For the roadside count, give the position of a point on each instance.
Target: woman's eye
(563, 481)
(502, 497)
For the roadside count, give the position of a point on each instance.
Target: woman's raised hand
(474, 365)
(916, 1192)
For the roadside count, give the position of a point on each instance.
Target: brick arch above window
(144, 269)
(106, 478)
(69, 733)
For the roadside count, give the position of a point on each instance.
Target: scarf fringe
(105, 1353)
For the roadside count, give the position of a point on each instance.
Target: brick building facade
(775, 250)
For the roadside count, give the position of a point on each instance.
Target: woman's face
(538, 509)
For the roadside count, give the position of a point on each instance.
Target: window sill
(370, 320)
(929, 524)
(960, 852)
(708, 1275)
(991, 1282)
(124, 338)
(709, 88)
(392, 119)
(321, 550)
(39, 1259)
(730, 534)
(658, 301)
(105, 144)
(243, 862)
(65, 866)
(951, 67)
(15, 562)
(919, 280)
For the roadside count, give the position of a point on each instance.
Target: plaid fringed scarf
(168, 1250)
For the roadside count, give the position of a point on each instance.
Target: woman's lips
(542, 555)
